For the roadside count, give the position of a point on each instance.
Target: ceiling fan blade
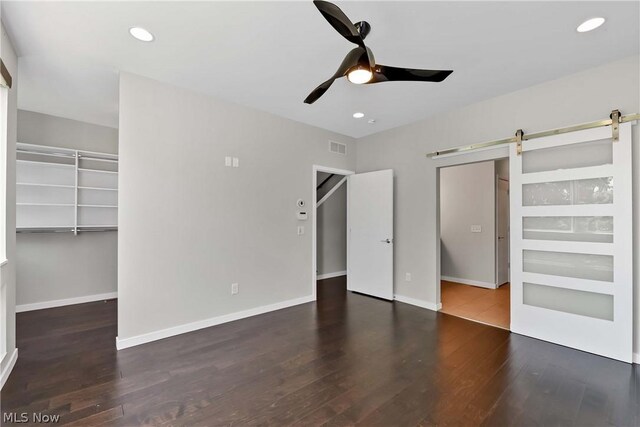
(352, 58)
(384, 73)
(319, 91)
(338, 20)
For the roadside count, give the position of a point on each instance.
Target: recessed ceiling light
(141, 34)
(358, 115)
(590, 24)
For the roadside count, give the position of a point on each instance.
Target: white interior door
(370, 242)
(571, 241)
(502, 231)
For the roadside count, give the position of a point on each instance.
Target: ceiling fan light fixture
(359, 65)
(360, 75)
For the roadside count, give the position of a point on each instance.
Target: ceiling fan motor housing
(364, 28)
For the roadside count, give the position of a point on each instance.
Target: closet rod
(46, 149)
(44, 230)
(96, 159)
(64, 230)
(45, 153)
(526, 137)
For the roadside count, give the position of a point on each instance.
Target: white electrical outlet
(236, 162)
(234, 288)
(407, 277)
(300, 230)
(476, 228)
(227, 161)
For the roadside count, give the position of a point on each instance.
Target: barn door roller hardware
(519, 135)
(614, 121)
(615, 125)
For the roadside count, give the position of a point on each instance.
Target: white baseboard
(7, 370)
(63, 302)
(636, 358)
(206, 323)
(418, 302)
(469, 282)
(330, 275)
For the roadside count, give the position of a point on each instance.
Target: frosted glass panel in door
(579, 266)
(591, 304)
(578, 192)
(568, 228)
(595, 153)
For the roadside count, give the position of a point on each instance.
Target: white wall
(582, 97)
(331, 223)
(7, 272)
(60, 266)
(189, 226)
(467, 197)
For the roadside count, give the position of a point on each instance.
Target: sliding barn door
(571, 241)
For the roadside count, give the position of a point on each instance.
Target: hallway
(490, 306)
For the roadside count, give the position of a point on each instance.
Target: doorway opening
(474, 239)
(329, 228)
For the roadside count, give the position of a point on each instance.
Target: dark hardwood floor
(348, 359)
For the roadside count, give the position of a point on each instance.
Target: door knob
(386, 241)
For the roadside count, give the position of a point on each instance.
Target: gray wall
(331, 223)
(60, 265)
(7, 272)
(578, 98)
(44, 129)
(189, 226)
(502, 168)
(467, 197)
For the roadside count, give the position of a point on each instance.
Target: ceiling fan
(359, 65)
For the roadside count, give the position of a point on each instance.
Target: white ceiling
(270, 55)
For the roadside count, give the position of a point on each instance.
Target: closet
(65, 190)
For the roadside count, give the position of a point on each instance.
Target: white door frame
(507, 237)
(314, 259)
(447, 160)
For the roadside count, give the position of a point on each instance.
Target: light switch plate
(300, 230)
(227, 161)
(236, 162)
(407, 277)
(234, 288)
(476, 228)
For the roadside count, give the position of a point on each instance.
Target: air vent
(337, 147)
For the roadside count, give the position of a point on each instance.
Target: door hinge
(519, 134)
(615, 125)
